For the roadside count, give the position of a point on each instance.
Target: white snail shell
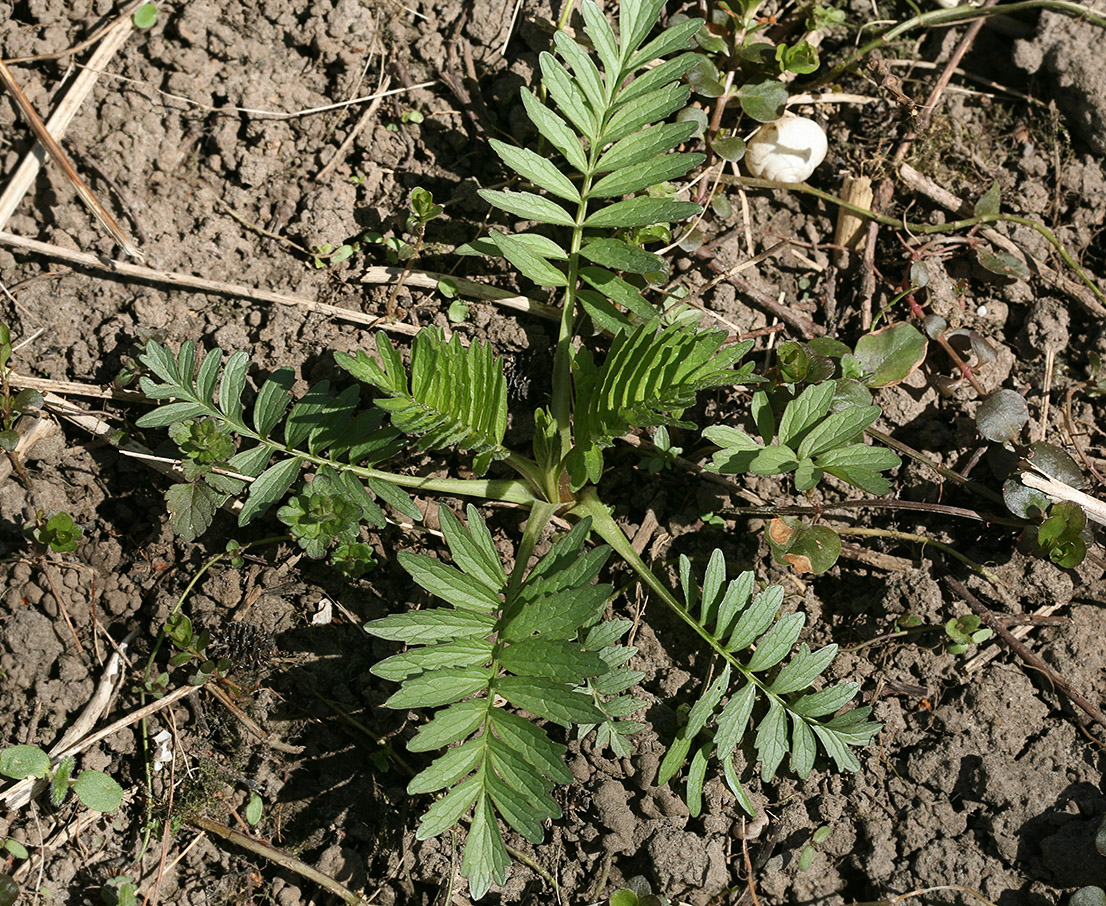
(787, 150)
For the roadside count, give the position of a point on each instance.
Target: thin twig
(23, 178)
(187, 281)
(278, 857)
(38, 127)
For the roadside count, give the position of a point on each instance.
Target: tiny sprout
(145, 16)
(787, 150)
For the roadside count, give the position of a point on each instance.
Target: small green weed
(95, 789)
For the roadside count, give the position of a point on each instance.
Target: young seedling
(95, 789)
(535, 638)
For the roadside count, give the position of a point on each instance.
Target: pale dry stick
(72, 388)
(482, 291)
(510, 28)
(187, 281)
(1058, 491)
(942, 196)
(1046, 391)
(63, 114)
(50, 145)
(30, 432)
(269, 114)
(20, 793)
(347, 142)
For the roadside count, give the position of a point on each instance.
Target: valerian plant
(510, 638)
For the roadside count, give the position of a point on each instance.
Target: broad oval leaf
(98, 791)
(1001, 417)
(763, 99)
(891, 354)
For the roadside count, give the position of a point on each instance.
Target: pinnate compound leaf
(644, 146)
(838, 429)
(628, 180)
(272, 400)
(450, 725)
(774, 645)
(555, 130)
(269, 487)
(449, 583)
(422, 627)
(485, 861)
(552, 700)
(804, 412)
(620, 256)
(771, 740)
(472, 549)
(440, 687)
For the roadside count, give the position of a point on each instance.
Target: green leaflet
(650, 375)
(505, 765)
(812, 441)
(791, 723)
(455, 396)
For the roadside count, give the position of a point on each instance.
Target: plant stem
(922, 539)
(944, 471)
(951, 17)
(278, 857)
(926, 228)
(540, 514)
(609, 530)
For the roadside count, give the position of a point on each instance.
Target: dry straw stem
(63, 114)
(48, 142)
(277, 857)
(429, 280)
(187, 281)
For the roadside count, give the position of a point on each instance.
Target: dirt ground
(984, 776)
